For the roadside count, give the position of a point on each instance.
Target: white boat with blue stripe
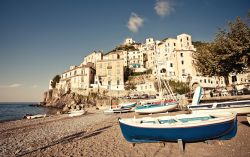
(156, 108)
(240, 107)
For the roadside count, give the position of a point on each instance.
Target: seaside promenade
(99, 135)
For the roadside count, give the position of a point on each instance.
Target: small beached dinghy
(35, 116)
(117, 110)
(185, 127)
(121, 108)
(127, 105)
(76, 113)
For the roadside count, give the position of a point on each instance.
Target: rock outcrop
(72, 101)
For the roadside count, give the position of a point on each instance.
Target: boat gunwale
(181, 125)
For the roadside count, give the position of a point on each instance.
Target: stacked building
(171, 58)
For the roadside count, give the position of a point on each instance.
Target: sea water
(15, 111)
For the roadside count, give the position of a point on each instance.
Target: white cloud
(134, 22)
(14, 85)
(163, 7)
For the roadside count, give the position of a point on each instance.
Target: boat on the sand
(121, 108)
(156, 108)
(185, 127)
(76, 113)
(118, 110)
(240, 107)
(34, 116)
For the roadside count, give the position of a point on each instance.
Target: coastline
(16, 111)
(96, 134)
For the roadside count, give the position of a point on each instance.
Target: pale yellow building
(110, 74)
(119, 54)
(77, 77)
(136, 59)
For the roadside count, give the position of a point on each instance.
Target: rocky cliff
(73, 101)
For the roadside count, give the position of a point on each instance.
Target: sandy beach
(96, 134)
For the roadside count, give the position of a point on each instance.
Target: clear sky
(42, 38)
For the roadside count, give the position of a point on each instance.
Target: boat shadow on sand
(245, 123)
(67, 139)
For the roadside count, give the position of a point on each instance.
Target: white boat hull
(156, 109)
(76, 113)
(239, 110)
(36, 116)
(117, 110)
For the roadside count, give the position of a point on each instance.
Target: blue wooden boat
(188, 128)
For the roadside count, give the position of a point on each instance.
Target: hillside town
(170, 58)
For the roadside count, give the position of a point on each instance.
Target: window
(109, 82)
(181, 54)
(200, 81)
(187, 38)
(183, 71)
(182, 62)
(118, 82)
(171, 64)
(174, 44)
(205, 81)
(181, 40)
(74, 72)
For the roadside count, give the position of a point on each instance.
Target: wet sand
(99, 135)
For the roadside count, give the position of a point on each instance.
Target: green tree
(127, 72)
(179, 87)
(55, 80)
(228, 53)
